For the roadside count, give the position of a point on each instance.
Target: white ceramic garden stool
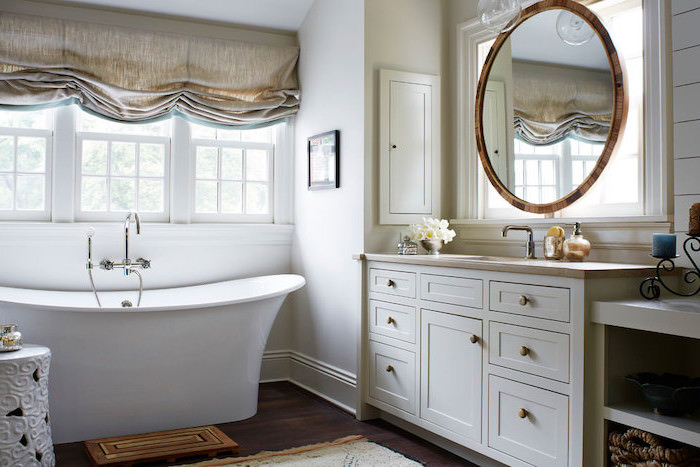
(25, 432)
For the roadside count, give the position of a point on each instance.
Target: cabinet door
(409, 147)
(450, 395)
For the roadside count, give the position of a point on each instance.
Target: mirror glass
(548, 106)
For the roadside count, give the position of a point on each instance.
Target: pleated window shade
(566, 102)
(134, 75)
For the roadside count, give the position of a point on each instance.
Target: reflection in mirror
(548, 108)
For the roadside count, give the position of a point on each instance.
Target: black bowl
(669, 394)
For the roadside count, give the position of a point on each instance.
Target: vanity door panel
(393, 320)
(541, 353)
(450, 376)
(530, 300)
(529, 423)
(400, 283)
(392, 376)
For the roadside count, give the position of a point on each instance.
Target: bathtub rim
(296, 282)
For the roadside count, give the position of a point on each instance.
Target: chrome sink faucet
(529, 245)
(127, 264)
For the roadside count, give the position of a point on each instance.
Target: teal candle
(663, 246)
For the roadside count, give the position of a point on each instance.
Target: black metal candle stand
(650, 288)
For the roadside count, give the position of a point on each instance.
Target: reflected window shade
(570, 102)
(132, 75)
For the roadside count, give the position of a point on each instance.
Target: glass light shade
(499, 15)
(573, 29)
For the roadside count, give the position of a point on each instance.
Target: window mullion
(64, 157)
(182, 155)
(244, 182)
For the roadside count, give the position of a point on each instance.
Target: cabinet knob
(523, 300)
(474, 339)
(393, 146)
(522, 413)
(524, 351)
(390, 320)
(390, 283)
(389, 368)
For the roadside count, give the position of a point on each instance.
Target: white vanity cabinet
(488, 356)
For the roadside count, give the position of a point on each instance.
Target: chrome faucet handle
(144, 263)
(107, 265)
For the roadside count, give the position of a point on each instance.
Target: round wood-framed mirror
(551, 105)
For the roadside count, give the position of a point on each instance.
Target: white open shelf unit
(649, 335)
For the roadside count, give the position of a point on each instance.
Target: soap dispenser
(576, 248)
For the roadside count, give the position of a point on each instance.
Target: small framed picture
(324, 154)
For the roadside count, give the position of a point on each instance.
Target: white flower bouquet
(432, 229)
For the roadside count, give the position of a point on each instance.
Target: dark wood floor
(289, 416)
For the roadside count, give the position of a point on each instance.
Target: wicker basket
(635, 447)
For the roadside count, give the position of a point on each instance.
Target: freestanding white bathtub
(187, 356)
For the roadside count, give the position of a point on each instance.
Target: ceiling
(284, 15)
(536, 40)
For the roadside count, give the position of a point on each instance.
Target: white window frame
(63, 172)
(33, 215)
(470, 183)
(111, 138)
(231, 217)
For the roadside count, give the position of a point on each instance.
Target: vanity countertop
(582, 270)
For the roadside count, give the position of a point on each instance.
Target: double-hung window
(632, 182)
(104, 169)
(121, 167)
(233, 172)
(25, 164)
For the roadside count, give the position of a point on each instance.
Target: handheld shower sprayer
(91, 233)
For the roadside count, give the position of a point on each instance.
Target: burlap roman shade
(553, 102)
(134, 75)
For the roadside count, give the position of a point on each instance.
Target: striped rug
(351, 451)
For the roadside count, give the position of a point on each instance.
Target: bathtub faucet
(127, 263)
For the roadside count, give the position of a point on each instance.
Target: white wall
(329, 223)
(402, 35)
(686, 111)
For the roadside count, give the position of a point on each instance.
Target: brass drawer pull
(523, 300)
(390, 283)
(389, 368)
(390, 320)
(522, 413)
(474, 339)
(524, 351)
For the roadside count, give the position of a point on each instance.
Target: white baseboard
(329, 382)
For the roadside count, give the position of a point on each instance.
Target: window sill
(240, 234)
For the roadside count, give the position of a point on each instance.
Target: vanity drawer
(530, 300)
(454, 290)
(392, 320)
(392, 377)
(529, 423)
(390, 282)
(546, 353)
